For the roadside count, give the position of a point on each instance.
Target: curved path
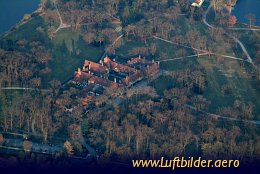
(62, 25)
(234, 38)
(46, 148)
(245, 29)
(203, 51)
(178, 58)
(223, 117)
(26, 89)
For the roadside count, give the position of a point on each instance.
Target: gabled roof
(116, 66)
(95, 66)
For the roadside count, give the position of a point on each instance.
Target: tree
(36, 82)
(68, 147)
(0, 86)
(89, 37)
(27, 146)
(55, 84)
(251, 19)
(153, 49)
(218, 4)
(78, 147)
(198, 82)
(248, 110)
(48, 4)
(232, 20)
(100, 38)
(2, 139)
(200, 102)
(126, 13)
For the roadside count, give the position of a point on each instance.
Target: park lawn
(215, 79)
(250, 39)
(55, 23)
(163, 48)
(63, 67)
(229, 72)
(162, 83)
(68, 37)
(69, 54)
(28, 31)
(247, 41)
(176, 65)
(127, 46)
(168, 51)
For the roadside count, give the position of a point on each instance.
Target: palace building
(94, 78)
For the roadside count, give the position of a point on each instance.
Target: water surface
(12, 11)
(244, 7)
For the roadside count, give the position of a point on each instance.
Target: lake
(244, 7)
(12, 11)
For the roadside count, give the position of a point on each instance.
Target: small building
(197, 3)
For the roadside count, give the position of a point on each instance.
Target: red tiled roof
(94, 72)
(116, 66)
(100, 81)
(138, 60)
(152, 68)
(134, 77)
(94, 66)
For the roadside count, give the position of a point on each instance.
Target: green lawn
(67, 48)
(250, 39)
(162, 83)
(243, 86)
(68, 37)
(125, 49)
(69, 52)
(33, 30)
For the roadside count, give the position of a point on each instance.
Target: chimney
(79, 72)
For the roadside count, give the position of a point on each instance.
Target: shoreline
(246, 24)
(241, 19)
(37, 12)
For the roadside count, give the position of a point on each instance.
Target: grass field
(69, 52)
(70, 38)
(231, 73)
(127, 47)
(28, 30)
(67, 48)
(162, 83)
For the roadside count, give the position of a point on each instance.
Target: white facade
(195, 4)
